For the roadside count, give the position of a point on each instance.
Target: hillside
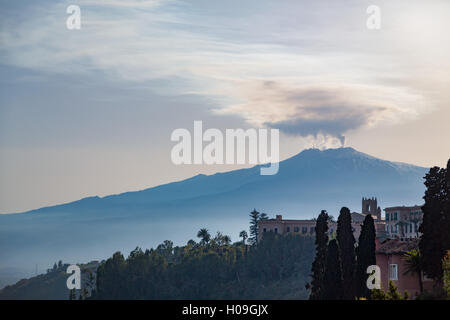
(47, 286)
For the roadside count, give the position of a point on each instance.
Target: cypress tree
(333, 289)
(318, 266)
(346, 243)
(365, 256)
(435, 227)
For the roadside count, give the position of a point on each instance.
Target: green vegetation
(435, 228)
(339, 270)
(446, 267)
(319, 264)
(254, 218)
(365, 254)
(334, 288)
(391, 294)
(346, 244)
(277, 268)
(413, 264)
(51, 285)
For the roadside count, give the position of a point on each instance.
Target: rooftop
(415, 207)
(396, 246)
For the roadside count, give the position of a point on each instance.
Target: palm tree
(226, 240)
(218, 239)
(413, 265)
(243, 234)
(204, 235)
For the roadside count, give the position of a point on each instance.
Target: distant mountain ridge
(94, 227)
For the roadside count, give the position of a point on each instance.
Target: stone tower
(370, 206)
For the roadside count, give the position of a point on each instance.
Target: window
(264, 230)
(296, 229)
(425, 277)
(410, 228)
(393, 272)
(276, 230)
(288, 229)
(311, 230)
(387, 216)
(304, 229)
(395, 216)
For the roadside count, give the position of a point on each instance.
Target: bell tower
(370, 206)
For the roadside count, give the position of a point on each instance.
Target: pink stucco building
(390, 256)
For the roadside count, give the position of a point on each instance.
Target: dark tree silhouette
(318, 266)
(365, 253)
(72, 294)
(333, 276)
(346, 243)
(435, 228)
(254, 218)
(243, 234)
(204, 236)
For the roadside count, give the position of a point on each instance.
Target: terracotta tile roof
(397, 246)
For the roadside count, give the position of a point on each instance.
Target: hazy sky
(90, 111)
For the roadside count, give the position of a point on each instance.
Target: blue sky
(90, 111)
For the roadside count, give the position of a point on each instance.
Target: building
(390, 256)
(403, 222)
(307, 227)
(280, 226)
(369, 206)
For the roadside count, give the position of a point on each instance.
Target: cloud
(324, 76)
(333, 121)
(328, 111)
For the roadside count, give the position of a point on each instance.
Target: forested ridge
(277, 268)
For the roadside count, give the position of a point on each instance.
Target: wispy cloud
(323, 110)
(305, 78)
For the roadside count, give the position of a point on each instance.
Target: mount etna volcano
(94, 227)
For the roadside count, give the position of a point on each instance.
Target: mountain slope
(93, 228)
(48, 286)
